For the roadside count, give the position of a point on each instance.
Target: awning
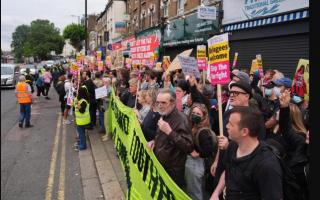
(267, 21)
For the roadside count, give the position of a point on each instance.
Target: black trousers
(93, 110)
(40, 90)
(46, 88)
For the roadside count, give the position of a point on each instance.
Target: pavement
(101, 170)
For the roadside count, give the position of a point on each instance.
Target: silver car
(9, 75)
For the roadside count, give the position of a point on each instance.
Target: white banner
(242, 10)
(207, 12)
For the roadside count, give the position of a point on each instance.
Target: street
(38, 162)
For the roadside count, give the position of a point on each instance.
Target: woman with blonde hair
(295, 137)
(205, 146)
(142, 113)
(149, 124)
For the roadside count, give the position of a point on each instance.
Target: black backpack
(290, 187)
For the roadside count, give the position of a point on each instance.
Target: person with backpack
(40, 85)
(251, 169)
(205, 146)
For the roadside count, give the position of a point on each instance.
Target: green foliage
(37, 40)
(76, 33)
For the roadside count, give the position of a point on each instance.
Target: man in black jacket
(251, 170)
(92, 96)
(129, 97)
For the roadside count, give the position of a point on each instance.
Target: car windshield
(6, 70)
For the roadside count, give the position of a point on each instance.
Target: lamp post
(85, 28)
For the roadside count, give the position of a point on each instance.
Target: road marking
(62, 165)
(53, 161)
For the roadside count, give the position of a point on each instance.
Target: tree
(19, 38)
(76, 33)
(37, 40)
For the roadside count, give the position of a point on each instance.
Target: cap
(269, 85)
(243, 85)
(285, 81)
(242, 76)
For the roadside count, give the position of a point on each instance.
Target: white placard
(207, 12)
(101, 92)
(242, 10)
(189, 66)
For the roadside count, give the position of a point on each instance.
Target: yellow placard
(305, 63)
(218, 52)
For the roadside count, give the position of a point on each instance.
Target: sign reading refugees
(143, 48)
(189, 66)
(219, 59)
(146, 178)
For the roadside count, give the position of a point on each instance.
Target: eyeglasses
(161, 102)
(236, 93)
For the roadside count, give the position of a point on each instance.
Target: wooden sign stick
(220, 110)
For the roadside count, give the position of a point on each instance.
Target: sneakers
(29, 126)
(66, 121)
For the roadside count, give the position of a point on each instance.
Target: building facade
(278, 30)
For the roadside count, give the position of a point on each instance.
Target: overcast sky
(18, 12)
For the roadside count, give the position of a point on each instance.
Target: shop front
(186, 33)
(278, 30)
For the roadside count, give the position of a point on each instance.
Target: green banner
(146, 178)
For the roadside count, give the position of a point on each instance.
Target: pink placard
(202, 63)
(220, 72)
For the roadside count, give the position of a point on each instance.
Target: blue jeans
(25, 113)
(82, 137)
(101, 120)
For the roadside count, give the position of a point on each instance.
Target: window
(165, 9)
(180, 7)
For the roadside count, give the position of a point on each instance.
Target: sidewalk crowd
(265, 125)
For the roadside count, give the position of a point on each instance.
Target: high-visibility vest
(82, 118)
(22, 93)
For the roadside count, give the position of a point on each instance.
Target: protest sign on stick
(219, 67)
(189, 66)
(235, 59)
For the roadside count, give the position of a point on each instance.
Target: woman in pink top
(47, 82)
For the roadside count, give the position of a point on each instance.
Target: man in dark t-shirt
(251, 170)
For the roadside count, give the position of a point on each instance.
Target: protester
(47, 82)
(68, 98)
(173, 141)
(149, 124)
(104, 108)
(129, 96)
(205, 146)
(24, 98)
(145, 106)
(92, 98)
(82, 114)
(99, 83)
(182, 92)
(40, 85)
(29, 79)
(61, 92)
(292, 137)
(251, 170)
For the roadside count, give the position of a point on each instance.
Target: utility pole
(85, 28)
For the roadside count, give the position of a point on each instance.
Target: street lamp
(85, 28)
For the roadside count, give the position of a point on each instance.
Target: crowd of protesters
(178, 114)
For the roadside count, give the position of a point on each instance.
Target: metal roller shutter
(281, 53)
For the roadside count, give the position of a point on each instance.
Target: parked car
(32, 67)
(9, 75)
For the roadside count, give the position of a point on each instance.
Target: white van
(9, 75)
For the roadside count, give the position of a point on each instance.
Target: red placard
(202, 63)
(142, 49)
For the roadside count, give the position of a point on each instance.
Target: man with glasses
(239, 96)
(173, 140)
